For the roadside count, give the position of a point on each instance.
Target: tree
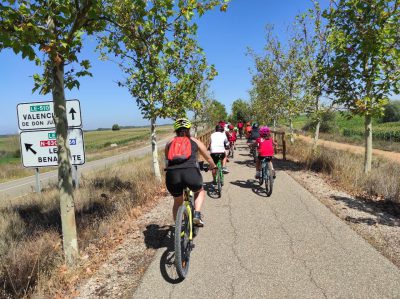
(392, 112)
(50, 33)
(155, 46)
(364, 66)
(240, 111)
(279, 80)
(315, 50)
(115, 127)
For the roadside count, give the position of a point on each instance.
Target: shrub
(392, 112)
(115, 127)
(328, 123)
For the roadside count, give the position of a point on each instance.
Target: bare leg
(270, 165)
(177, 203)
(225, 159)
(199, 199)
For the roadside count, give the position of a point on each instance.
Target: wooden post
(283, 146)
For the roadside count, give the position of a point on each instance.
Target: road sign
(40, 115)
(39, 149)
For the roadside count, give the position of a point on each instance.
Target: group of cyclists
(182, 167)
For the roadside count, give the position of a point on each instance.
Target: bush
(328, 123)
(392, 112)
(115, 127)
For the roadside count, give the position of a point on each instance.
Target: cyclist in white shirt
(218, 145)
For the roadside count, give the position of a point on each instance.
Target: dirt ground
(353, 148)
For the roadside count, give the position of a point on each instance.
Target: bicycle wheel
(269, 182)
(261, 178)
(182, 242)
(219, 183)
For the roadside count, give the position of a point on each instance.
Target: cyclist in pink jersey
(265, 148)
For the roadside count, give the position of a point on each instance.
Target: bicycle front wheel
(182, 242)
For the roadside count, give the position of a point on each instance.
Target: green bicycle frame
(220, 173)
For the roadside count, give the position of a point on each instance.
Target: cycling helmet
(230, 127)
(264, 131)
(182, 123)
(255, 125)
(219, 128)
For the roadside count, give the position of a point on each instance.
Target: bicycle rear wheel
(182, 242)
(269, 183)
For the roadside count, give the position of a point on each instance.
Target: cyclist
(183, 169)
(254, 134)
(265, 148)
(231, 135)
(240, 126)
(248, 130)
(218, 145)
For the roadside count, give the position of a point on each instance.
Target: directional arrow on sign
(28, 147)
(72, 112)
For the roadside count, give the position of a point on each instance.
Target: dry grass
(30, 230)
(346, 169)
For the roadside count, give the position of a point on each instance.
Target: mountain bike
(219, 177)
(266, 175)
(185, 231)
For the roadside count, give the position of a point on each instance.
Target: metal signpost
(39, 140)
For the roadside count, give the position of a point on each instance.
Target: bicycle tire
(261, 178)
(182, 243)
(219, 184)
(269, 183)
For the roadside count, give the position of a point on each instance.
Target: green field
(97, 146)
(351, 130)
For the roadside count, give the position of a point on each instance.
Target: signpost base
(38, 187)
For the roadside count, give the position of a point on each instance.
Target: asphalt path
(288, 245)
(19, 187)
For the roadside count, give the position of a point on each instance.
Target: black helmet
(255, 125)
(219, 128)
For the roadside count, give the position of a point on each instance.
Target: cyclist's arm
(203, 151)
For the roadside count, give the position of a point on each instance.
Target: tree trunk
(368, 144)
(316, 135)
(274, 124)
(67, 205)
(154, 150)
(291, 130)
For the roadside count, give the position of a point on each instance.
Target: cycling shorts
(180, 178)
(217, 156)
(268, 158)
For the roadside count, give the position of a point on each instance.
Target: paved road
(23, 186)
(288, 245)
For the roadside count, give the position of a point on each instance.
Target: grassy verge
(31, 256)
(346, 169)
(97, 146)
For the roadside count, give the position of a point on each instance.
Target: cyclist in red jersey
(231, 135)
(265, 148)
(240, 126)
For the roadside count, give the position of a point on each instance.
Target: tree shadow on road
(382, 212)
(157, 237)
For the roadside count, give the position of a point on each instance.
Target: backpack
(179, 150)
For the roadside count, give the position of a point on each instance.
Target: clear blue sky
(224, 37)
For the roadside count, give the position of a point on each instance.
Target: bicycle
(185, 231)
(219, 177)
(266, 175)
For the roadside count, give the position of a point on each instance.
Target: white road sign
(39, 115)
(39, 148)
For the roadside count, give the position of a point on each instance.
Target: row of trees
(153, 42)
(345, 57)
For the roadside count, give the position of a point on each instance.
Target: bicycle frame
(189, 204)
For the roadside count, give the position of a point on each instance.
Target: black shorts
(218, 156)
(178, 179)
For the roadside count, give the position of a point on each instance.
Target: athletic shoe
(273, 173)
(225, 170)
(214, 182)
(197, 219)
